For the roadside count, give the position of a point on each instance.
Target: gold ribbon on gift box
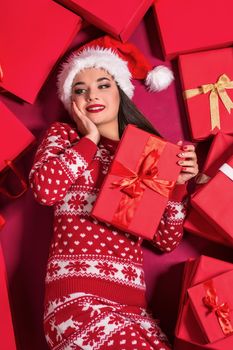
(217, 90)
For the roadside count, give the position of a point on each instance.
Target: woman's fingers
(189, 170)
(189, 148)
(189, 155)
(186, 163)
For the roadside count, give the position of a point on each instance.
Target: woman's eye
(79, 91)
(104, 86)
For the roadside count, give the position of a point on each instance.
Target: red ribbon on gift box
(134, 183)
(221, 310)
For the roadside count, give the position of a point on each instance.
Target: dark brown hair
(130, 114)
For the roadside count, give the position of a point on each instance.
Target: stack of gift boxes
(199, 36)
(34, 36)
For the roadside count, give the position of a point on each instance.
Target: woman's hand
(188, 161)
(84, 125)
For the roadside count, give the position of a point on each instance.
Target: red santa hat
(123, 61)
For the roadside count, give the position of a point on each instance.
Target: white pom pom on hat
(123, 61)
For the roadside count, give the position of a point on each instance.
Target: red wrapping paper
(14, 136)
(28, 54)
(215, 202)
(140, 215)
(193, 25)
(197, 224)
(204, 68)
(188, 333)
(212, 303)
(7, 338)
(220, 150)
(119, 19)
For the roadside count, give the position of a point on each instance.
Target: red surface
(26, 235)
(31, 45)
(189, 25)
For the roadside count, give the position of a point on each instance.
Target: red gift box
(212, 302)
(15, 138)
(118, 19)
(28, 54)
(187, 26)
(214, 200)
(7, 338)
(207, 81)
(198, 225)
(188, 333)
(136, 189)
(221, 149)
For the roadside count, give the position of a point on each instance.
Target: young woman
(95, 288)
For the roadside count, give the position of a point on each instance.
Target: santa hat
(123, 61)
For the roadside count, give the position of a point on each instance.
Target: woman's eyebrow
(79, 83)
(103, 78)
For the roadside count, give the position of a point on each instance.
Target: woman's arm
(58, 163)
(170, 230)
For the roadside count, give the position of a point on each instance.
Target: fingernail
(181, 155)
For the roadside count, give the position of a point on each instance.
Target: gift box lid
(44, 31)
(192, 24)
(116, 18)
(212, 303)
(14, 136)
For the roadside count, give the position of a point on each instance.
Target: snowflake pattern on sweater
(87, 255)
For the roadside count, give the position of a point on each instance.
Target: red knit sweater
(87, 255)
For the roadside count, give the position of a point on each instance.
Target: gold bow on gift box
(216, 90)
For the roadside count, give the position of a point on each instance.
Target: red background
(27, 233)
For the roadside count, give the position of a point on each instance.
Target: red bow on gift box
(222, 310)
(134, 183)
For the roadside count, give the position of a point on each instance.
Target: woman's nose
(92, 96)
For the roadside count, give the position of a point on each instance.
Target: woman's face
(96, 95)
